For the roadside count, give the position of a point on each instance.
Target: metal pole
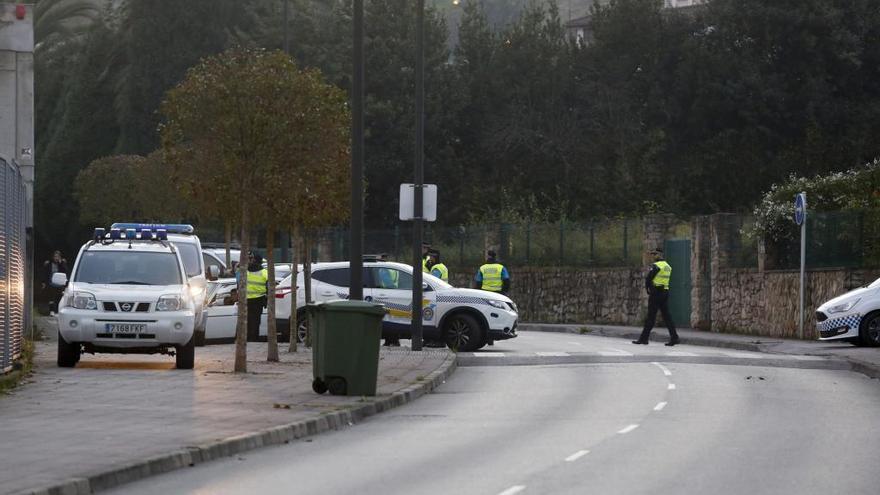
(356, 289)
(803, 278)
(286, 17)
(419, 177)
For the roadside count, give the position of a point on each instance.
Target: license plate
(125, 327)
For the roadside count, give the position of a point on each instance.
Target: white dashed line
(577, 455)
(628, 429)
(671, 386)
(575, 343)
(742, 355)
(553, 354)
(614, 352)
(488, 354)
(681, 354)
(513, 489)
(659, 406)
(663, 368)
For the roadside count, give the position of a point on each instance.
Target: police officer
(257, 288)
(657, 285)
(492, 276)
(426, 257)
(438, 269)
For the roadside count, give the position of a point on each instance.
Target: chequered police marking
(851, 322)
(462, 300)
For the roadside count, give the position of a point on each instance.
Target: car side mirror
(59, 279)
(214, 271)
(425, 286)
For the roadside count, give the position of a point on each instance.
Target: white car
(854, 316)
(464, 319)
(129, 294)
(223, 314)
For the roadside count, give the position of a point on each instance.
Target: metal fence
(606, 243)
(12, 264)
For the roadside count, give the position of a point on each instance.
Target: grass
(584, 330)
(21, 369)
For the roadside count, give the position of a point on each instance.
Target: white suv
(464, 319)
(128, 294)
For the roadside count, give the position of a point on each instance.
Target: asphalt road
(613, 418)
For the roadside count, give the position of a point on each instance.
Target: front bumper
(83, 326)
(839, 326)
(502, 325)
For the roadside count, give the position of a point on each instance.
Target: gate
(678, 255)
(12, 264)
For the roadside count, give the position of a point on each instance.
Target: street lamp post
(419, 174)
(356, 263)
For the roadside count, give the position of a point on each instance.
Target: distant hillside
(502, 12)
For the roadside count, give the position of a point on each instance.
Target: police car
(464, 319)
(129, 294)
(854, 317)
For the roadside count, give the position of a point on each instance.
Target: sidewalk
(865, 360)
(118, 418)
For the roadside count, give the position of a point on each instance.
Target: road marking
(671, 386)
(628, 429)
(662, 368)
(742, 355)
(614, 352)
(577, 455)
(513, 489)
(575, 343)
(659, 406)
(488, 354)
(681, 354)
(553, 354)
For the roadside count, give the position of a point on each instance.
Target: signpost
(418, 202)
(800, 218)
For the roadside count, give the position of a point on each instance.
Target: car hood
(860, 292)
(123, 292)
(476, 293)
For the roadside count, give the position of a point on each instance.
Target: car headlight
(83, 300)
(496, 303)
(171, 302)
(843, 307)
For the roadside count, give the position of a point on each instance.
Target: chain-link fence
(12, 264)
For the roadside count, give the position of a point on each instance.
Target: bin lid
(352, 306)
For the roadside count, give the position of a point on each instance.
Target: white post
(803, 264)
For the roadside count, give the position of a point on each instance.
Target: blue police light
(115, 234)
(146, 234)
(161, 234)
(171, 228)
(130, 233)
(99, 234)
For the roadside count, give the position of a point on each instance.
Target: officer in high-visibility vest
(257, 288)
(438, 269)
(657, 285)
(426, 257)
(492, 276)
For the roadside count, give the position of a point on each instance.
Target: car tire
(869, 330)
(199, 337)
(463, 333)
(186, 355)
(68, 354)
(302, 326)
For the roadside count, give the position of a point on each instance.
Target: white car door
(223, 315)
(393, 289)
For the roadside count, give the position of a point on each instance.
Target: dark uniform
(657, 285)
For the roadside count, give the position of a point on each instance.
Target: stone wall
(566, 295)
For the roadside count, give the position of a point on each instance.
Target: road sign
(429, 202)
(800, 208)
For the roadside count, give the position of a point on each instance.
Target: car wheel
(68, 354)
(186, 355)
(199, 337)
(463, 333)
(869, 330)
(319, 386)
(337, 386)
(302, 326)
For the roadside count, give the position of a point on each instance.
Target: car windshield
(128, 267)
(190, 256)
(875, 284)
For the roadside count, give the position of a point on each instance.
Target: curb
(194, 455)
(868, 369)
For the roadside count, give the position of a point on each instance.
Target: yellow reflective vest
(492, 277)
(256, 283)
(443, 272)
(661, 279)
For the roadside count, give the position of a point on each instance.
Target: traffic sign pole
(800, 217)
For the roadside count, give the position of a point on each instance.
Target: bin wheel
(337, 386)
(318, 386)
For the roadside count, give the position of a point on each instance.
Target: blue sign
(800, 208)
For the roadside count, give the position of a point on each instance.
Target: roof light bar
(170, 228)
(161, 234)
(99, 234)
(115, 234)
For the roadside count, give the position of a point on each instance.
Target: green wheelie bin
(345, 346)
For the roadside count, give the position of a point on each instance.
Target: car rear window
(128, 267)
(340, 277)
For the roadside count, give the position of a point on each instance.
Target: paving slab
(117, 418)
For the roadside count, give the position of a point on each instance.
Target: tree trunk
(294, 321)
(271, 330)
(307, 280)
(241, 324)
